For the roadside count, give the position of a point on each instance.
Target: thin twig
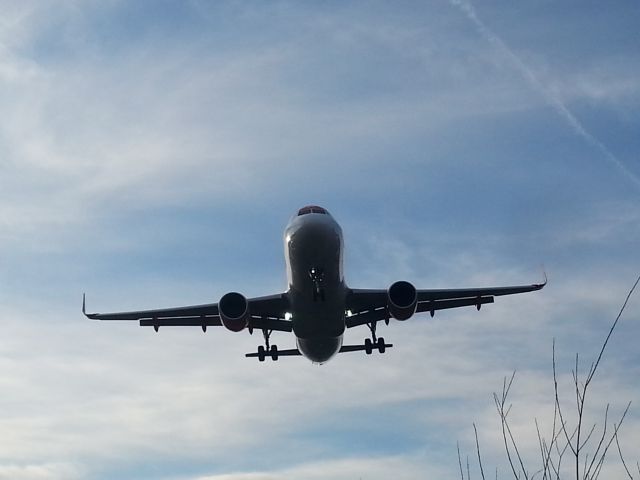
(460, 461)
(624, 464)
(600, 443)
(604, 345)
(475, 430)
(557, 398)
(606, 449)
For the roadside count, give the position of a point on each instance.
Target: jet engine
(234, 311)
(402, 300)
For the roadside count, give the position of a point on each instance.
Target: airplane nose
(319, 350)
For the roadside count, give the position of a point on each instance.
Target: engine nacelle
(402, 300)
(234, 311)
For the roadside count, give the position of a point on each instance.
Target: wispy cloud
(38, 472)
(549, 95)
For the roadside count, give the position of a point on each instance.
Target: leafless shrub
(585, 447)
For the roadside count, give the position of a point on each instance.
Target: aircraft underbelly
(319, 350)
(319, 325)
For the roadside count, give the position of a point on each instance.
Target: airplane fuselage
(314, 246)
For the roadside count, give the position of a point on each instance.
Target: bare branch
(586, 440)
(604, 345)
(557, 398)
(545, 451)
(553, 452)
(586, 459)
(600, 443)
(624, 464)
(615, 433)
(475, 430)
(506, 435)
(515, 448)
(460, 461)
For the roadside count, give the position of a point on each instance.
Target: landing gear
(267, 350)
(368, 346)
(374, 342)
(317, 277)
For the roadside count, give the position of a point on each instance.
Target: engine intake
(234, 311)
(402, 300)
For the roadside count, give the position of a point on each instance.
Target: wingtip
(84, 307)
(544, 283)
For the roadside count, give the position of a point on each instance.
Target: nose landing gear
(317, 277)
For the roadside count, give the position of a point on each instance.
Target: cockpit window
(312, 209)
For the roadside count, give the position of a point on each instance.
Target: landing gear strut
(317, 277)
(374, 342)
(267, 350)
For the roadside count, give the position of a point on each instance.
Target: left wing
(367, 306)
(266, 313)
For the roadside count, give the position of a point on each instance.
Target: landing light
(288, 316)
(349, 313)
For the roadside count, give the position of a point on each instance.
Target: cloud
(549, 95)
(38, 472)
(96, 129)
(401, 467)
(156, 165)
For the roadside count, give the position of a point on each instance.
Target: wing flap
(181, 322)
(271, 324)
(431, 306)
(434, 305)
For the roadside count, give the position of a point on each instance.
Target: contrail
(554, 100)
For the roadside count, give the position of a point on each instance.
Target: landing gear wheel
(261, 353)
(274, 352)
(368, 346)
(381, 346)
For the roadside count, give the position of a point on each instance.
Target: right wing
(368, 306)
(266, 313)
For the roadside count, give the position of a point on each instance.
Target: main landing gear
(271, 350)
(374, 342)
(267, 351)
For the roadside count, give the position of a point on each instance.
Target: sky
(152, 152)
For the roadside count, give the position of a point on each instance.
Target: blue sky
(151, 154)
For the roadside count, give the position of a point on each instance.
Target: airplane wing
(266, 313)
(367, 306)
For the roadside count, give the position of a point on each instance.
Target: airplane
(318, 306)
